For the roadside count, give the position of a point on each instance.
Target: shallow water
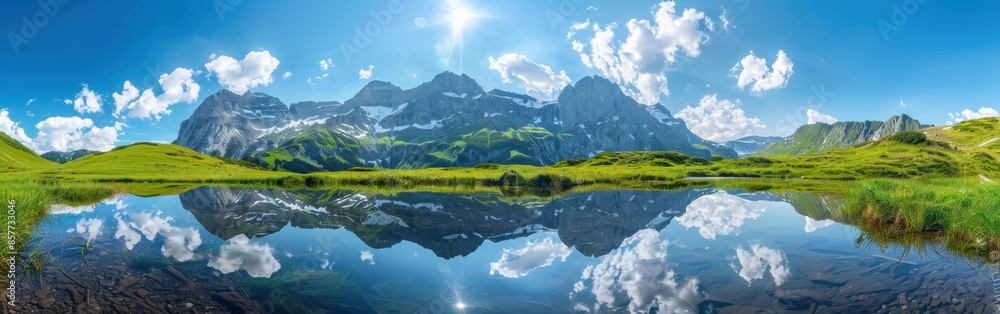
(697, 250)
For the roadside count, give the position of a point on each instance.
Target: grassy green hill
(314, 150)
(969, 134)
(157, 162)
(317, 149)
(14, 156)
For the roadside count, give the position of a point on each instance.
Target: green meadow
(936, 183)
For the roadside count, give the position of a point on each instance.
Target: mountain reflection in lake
(698, 250)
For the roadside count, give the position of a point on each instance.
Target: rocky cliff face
(449, 121)
(600, 117)
(310, 109)
(227, 124)
(819, 137)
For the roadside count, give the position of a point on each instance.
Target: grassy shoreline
(961, 213)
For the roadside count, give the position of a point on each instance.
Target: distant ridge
(820, 137)
(64, 157)
(751, 144)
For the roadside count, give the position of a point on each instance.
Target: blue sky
(868, 59)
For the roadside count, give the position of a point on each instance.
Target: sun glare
(459, 17)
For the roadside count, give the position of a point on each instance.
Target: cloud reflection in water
(256, 259)
(536, 254)
(639, 271)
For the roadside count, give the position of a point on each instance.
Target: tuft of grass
(909, 137)
(964, 210)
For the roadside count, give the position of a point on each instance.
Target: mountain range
(814, 138)
(449, 121)
(749, 145)
(64, 157)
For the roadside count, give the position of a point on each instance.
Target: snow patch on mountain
(526, 102)
(379, 113)
(293, 125)
(433, 124)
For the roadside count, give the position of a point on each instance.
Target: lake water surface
(697, 250)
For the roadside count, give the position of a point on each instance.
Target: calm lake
(698, 250)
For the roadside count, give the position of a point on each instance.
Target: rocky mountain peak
(225, 124)
(592, 98)
(449, 82)
(895, 125)
(376, 93)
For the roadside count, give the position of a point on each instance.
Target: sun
(460, 17)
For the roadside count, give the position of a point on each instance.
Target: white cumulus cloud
(639, 64)
(13, 129)
(638, 274)
(537, 78)
(366, 74)
(325, 64)
(816, 117)
(968, 114)
(758, 260)
(286, 75)
(73, 133)
(239, 76)
(86, 101)
(754, 72)
(123, 99)
(719, 120)
(177, 87)
(534, 255)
